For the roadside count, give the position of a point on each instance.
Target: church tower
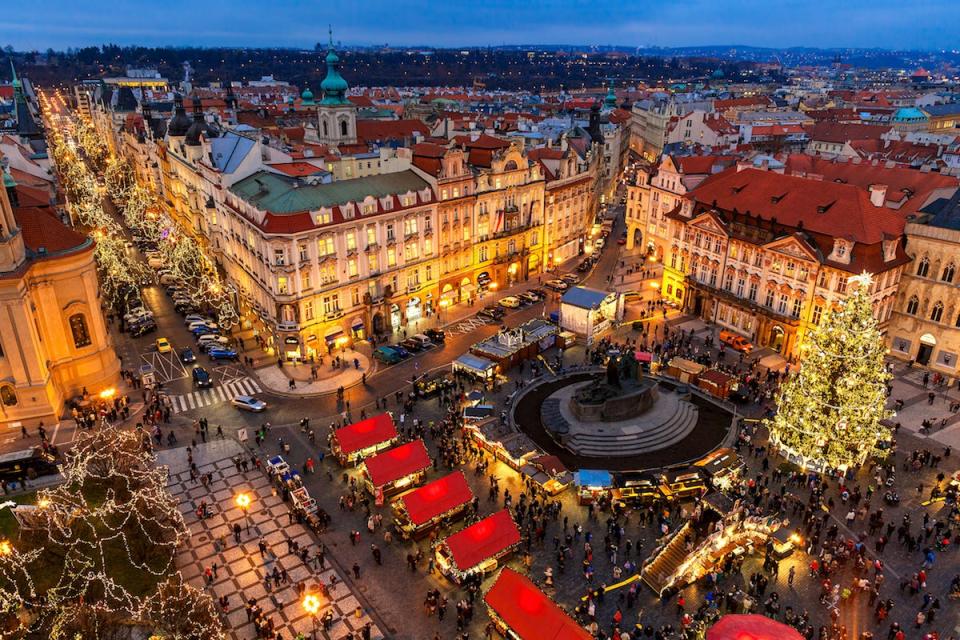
(336, 115)
(12, 252)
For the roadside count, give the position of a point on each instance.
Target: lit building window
(78, 327)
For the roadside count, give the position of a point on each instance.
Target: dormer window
(841, 250)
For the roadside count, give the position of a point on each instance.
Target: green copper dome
(307, 97)
(610, 102)
(334, 86)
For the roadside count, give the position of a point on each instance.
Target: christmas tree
(829, 411)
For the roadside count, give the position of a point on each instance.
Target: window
(279, 257)
(923, 267)
(728, 282)
(912, 305)
(352, 268)
(768, 302)
(343, 128)
(371, 236)
(8, 396)
(937, 312)
(822, 279)
(795, 312)
(390, 234)
(282, 285)
(331, 304)
(782, 306)
(303, 253)
(391, 257)
(304, 280)
(409, 226)
(308, 309)
(483, 254)
(325, 246)
(841, 285)
(948, 273)
(78, 327)
(429, 273)
(372, 262)
(355, 296)
(351, 241)
(817, 314)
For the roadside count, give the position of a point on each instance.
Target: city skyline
(857, 24)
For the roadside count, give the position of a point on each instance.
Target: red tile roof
(731, 103)
(384, 130)
(829, 208)
(43, 231)
(297, 169)
(842, 132)
(361, 101)
(701, 165)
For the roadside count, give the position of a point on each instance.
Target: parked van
(735, 341)
(387, 355)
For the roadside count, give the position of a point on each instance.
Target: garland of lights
(830, 411)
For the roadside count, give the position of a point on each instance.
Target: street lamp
(243, 501)
(444, 303)
(311, 604)
(5, 548)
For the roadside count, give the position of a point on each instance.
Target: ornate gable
(794, 248)
(709, 223)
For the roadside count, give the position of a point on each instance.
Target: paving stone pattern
(241, 568)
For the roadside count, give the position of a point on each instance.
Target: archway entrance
(927, 343)
(378, 323)
(776, 338)
(637, 237)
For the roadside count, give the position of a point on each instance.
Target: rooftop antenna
(330, 30)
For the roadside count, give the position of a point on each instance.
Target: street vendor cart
(395, 470)
(478, 548)
(361, 439)
(417, 512)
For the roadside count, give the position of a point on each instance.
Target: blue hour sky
(913, 24)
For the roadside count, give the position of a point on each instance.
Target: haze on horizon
(890, 24)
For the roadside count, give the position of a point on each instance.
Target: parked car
(497, 310)
(437, 336)
(556, 285)
(411, 345)
(423, 339)
(584, 266)
(193, 317)
(187, 355)
(510, 302)
(222, 353)
(142, 328)
(540, 293)
(201, 378)
(735, 341)
(202, 323)
(569, 278)
(203, 330)
(248, 403)
(529, 296)
(163, 345)
(29, 463)
(403, 353)
(387, 355)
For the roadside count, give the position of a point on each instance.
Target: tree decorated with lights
(829, 412)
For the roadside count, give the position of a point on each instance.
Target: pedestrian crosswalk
(215, 395)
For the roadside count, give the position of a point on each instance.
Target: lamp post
(243, 501)
(311, 604)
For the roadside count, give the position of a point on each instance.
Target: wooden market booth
(360, 439)
(478, 548)
(717, 383)
(520, 610)
(686, 371)
(394, 470)
(446, 499)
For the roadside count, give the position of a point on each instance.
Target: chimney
(878, 194)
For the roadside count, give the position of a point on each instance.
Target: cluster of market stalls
(521, 610)
(399, 470)
(488, 358)
(290, 483)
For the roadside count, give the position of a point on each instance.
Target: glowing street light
(5, 548)
(243, 500)
(311, 604)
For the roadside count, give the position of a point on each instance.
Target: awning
(437, 498)
(643, 356)
(449, 294)
(528, 612)
(483, 540)
(397, 463)
(357, 323)
(333, 334)
(751, 627)
(474, 363)
(366, 433)
(467, 288)
(592, 478)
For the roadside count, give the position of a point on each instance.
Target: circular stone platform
(673, 431)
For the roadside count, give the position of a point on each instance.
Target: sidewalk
(329, 379)
(240, 568)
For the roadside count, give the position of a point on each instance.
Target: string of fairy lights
(830, 412)
(79, 153)
(113, 508)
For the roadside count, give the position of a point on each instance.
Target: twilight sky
(915, 24)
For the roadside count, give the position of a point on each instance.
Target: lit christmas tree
(829, 411)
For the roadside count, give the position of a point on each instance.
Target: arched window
(343, 128)
(326, 130)
(81, 335)
(937, 312)
(948, 273)
(912, 305)
(8, 396)
(923, 267)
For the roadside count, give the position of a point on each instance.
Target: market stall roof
(592, 478)
(550, 464)
(718, 378)
(366, 433)
(397, 463)
(474, 363)
(483, 540)
(751, 627)
(687, 366)
(584, 298)
(529, 613)
(437, 497)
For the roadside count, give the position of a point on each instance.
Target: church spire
(334, 86)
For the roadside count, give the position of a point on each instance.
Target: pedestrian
(356, 570)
